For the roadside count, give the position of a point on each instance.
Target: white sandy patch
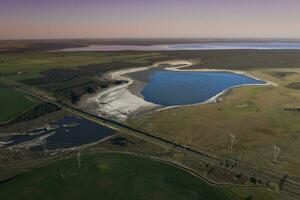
(32, 143)
(121, 103)
(3, 144)
(118, 101)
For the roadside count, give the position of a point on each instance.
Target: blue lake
(170, 88)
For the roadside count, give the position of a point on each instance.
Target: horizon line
(153, 38)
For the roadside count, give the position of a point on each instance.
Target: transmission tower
(276, 152)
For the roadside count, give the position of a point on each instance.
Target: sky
(30, 19)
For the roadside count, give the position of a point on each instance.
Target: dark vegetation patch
(73, 83)
(282, 181)
(250, 197)
(292, 109)
(121, 141)
(282, 74)
(255, 180)
(8, 74)
(23, 46)
(35, 112)
(72, 90)
(240, 59)
(54, 76)
(295, 86)
(222, 174)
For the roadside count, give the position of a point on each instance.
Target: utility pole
(276, 153)
(232, 140)
(78, 159)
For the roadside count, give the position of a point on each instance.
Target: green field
(13, 103)
(27, 65)
(110, 177)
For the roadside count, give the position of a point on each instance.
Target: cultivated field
(110, 177)
(13, 103)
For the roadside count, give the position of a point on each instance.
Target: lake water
(76, 135)
(196, 46)
(70, 132)
(172, 88)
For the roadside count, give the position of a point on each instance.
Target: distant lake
(172, 88)
(196, 46)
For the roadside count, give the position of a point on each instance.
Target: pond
(68, 132)
(173, 88)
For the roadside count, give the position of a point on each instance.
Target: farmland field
(110, 177)
(13, 103)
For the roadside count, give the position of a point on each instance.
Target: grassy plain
(255, 115)
(110, 177)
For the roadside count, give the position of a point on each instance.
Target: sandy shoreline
(118, 102)
(121, 101)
